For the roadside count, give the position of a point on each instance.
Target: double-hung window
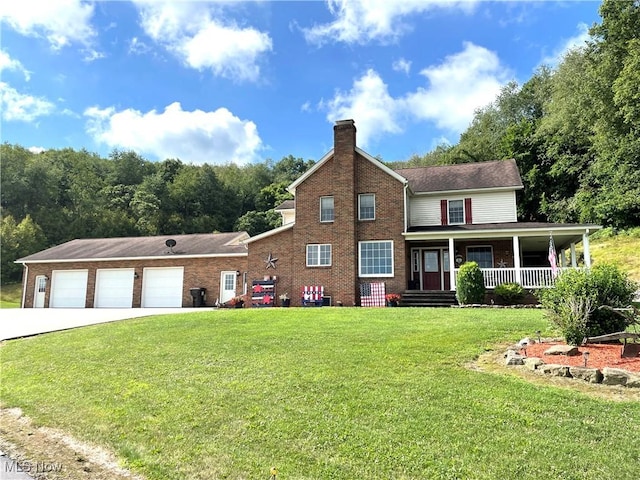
(326, 209)
(319, 255)
(376, 258)
(456, 212)
(367, 206)
(483, 256)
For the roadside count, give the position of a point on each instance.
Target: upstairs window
(326, 209)
(456, 212)
(367, 206)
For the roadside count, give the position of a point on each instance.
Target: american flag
(553, 257)
(372, 294)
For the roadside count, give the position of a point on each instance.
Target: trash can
(198, 296)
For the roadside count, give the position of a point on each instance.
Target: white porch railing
(530, 277)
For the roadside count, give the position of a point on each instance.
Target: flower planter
(286, 302)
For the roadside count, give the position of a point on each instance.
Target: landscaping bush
(574, 302)
(470, 284)
(509, 293)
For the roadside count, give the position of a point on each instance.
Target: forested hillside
(574, 131)
(58, 195)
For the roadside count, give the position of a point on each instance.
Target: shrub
(470, 284)
(574, 303)
(510, 292)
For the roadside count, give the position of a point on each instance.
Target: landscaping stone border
(606, 376)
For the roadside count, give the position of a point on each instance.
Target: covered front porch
(511, 252)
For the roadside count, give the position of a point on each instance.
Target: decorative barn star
(502, 264)
(271, 261)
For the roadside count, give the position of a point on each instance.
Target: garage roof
(194, 245)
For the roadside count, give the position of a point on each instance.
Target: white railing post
(516, 259)
(452, 264)
(587, 254)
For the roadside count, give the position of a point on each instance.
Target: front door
(40, 291)
(431, 274)
(435, 269)
(227, 286)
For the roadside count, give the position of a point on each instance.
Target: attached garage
(134, 272)
(162, 287)
(69, 288)
(114, 288)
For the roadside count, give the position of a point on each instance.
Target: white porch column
(452, 264)
(516, 258)
(574, 259)
(563, 259)
(587, 254)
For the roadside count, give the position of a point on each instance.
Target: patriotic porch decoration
(372, 294)
(312, 295)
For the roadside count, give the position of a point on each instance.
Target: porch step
(428, 298)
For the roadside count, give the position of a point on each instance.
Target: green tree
(18, 240)
(255, 223)
(613, 197)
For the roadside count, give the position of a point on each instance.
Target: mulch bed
(600, 356)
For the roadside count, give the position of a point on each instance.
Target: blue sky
(241, 82)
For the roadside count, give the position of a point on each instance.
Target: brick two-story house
(354, 223)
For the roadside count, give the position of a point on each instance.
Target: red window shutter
(468, 216)
(444, 214)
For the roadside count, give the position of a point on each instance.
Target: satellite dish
(170, 243)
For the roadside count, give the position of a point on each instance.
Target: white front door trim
(40, 291)
(227, 285)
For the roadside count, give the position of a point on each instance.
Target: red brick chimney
(345, 244)
(344, 136)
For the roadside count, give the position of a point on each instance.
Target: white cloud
(193, 33)
(36, 149)
(369, 104)
(361, 21)
(8, 63)
(577, 41)
(458, 86)
(197, 136)
(61, 22)
(137, 47)
(16, 106)
(402, 65)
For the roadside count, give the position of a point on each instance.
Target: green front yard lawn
(321, 393)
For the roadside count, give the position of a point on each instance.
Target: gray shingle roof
(286, 205)
(464, 176)
(198, 244)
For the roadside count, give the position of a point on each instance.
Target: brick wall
(389, 220)
(502, 250)
(279, 246)
(343, 176)
(198, 272)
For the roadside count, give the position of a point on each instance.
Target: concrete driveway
(24, 322)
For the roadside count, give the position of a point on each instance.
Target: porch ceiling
(533, 236)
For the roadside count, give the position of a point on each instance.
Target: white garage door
(114, 288)
(69, 288)
(162, 287)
